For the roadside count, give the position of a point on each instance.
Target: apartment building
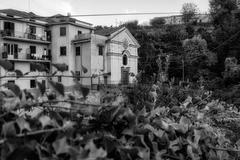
(23, 41)
(62, 39)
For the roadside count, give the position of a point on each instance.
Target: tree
(197, 57)
(157, 22)
(226, 31)
(189, 11)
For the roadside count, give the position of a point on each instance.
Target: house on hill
(112, 52)
(26, 37)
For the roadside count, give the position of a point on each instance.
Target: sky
(76, 7)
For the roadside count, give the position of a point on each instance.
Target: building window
(10, 50)
(79, 32)
(32, 49)
(125, 59)
(32, 83)
(9, 28)
(32, 68)
(62, 31)
(78, 51)
(63, 51)
(78, 75)
(11, 81)
(32, 29)
(59, 79)
(100, 50)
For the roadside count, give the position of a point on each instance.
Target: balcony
(21, 36)
(28, 57)
(80, 38)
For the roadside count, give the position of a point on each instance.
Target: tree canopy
(189, 11)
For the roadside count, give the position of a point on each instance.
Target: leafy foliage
(60, 66)
(157, 22)
(189, 11)
(7, 65)
(163, 122)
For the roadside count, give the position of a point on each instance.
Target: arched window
(125, 59)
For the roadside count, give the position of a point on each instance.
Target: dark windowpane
(62, 31)
(125, 60)
(78, 51)
(32, 49)
(11, 81)
(32, 29)
(79, 32)
(100, 50)
(63, 51)
(59, 79)
(32, 83)
(32, 67)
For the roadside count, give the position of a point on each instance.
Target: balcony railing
(22, 35)
(15, 56)
(85, 36)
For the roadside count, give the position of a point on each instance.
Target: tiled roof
(13, 12)
(107, 31)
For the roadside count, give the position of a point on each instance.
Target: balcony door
(9, 28)
(11, 50)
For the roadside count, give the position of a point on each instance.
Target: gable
(124, 35)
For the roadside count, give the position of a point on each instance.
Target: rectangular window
(32, 49)
(11, 81)
(32, 83)
(79, 32)
(100, 50)
(32, 68)
(32, 29)
(59, 79)
(9, 28)
(62, 31)
(78, 51)
(63, 51)
(13, 66)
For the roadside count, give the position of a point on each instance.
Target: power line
(99, 15)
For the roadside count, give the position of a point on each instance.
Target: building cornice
(119, 55)
(70, 23)
(121, 43)
(21, 20)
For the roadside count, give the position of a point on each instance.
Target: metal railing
(28, 56)
(84, 36)
(24, 35)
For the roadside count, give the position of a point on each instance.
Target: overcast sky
(51, 7)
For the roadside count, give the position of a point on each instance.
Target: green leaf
(54, 73)
(10, 103)
(14, 88)
(8, 129)
(84, 90)
(26, 73)
(23, 125)
(60, 66)
(39, 67)
(85, 70)
(57, 87)
(41, 87)
(47, 121)
(60, 146)
(7, 65)
(94, 152)
(18, 73)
